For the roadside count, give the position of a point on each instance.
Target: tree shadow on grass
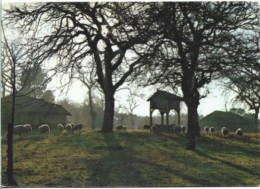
(118, 168)
(115, 167)
(227, 163)
(225, 147)
(244, 139)
(133, 176)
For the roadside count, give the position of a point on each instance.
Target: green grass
(133, 158)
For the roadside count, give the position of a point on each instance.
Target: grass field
(133, 158)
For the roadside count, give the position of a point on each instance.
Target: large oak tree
(198, 41)
(116, 35)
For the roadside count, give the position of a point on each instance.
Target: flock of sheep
(182, 129)
(45, 128)
(224, 131)
(164, 128)
(71, 127)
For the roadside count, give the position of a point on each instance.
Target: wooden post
(162, 114)
(167, 118)
(151, 114)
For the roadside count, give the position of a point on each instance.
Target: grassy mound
(219, 119)
(133, 159)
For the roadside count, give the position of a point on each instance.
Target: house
(33, 111)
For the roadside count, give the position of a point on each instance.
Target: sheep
(156, 128)
(162, 128)
(224, 131)
(211, 130)
(60, 127)
(45, 128)
(183, 128)
(19, 130)
(177, 129)
(239, 132)
(206, 129)
(28, 128)
(121, 127)
(69, 128)
(77, 127)
(147, 127)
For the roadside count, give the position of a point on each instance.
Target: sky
(214, 101)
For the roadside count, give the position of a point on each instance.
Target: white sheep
(45, 128)
(120, 127)
(225, 131)
(28, 128)
(211, 130)
(69, 128)
(164, 128)
(60, 127)
(158, 128)
(77, 127)
(19, 130)
(206, 129)
(239, 132)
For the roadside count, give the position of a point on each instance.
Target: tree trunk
(192, 124)
(11, 181)
(93, 120)
(191, 98)
(3, 90)
(10, 155)
(197, 127)
(92, 112)
(256, 118)
(132, 121)
(109, 112)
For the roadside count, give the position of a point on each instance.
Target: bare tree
(6, 70)
(116, 35)
(15, 55)
(87, 75)
(244, 79)
(14, 80)
(131, 103)
(198, 41)
(246, 87)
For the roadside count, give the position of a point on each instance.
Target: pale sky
(214, 101)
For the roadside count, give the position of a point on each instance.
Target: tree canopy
(115, 34)
(199, 40)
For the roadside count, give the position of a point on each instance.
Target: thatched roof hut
(32, 110)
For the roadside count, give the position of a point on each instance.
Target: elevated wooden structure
(164, 102)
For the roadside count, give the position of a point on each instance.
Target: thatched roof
(32, 105)
(165, 95)
(165, 101)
